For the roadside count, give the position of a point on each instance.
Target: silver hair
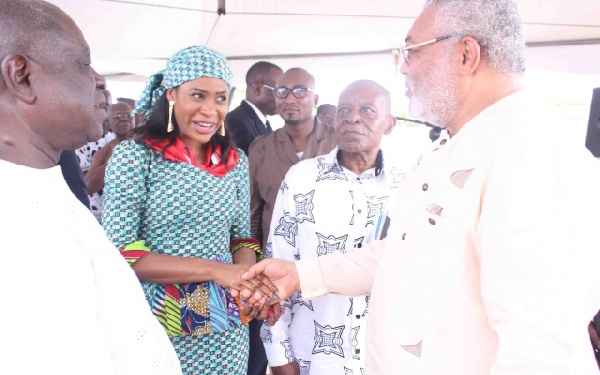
(495, 24)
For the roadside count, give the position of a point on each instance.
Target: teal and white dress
(159, 201)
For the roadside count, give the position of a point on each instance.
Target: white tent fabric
(131, 39)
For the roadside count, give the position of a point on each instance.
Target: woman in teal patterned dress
(177, 207)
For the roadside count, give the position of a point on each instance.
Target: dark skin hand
(167, 269)
(262, 311)
(291, 368)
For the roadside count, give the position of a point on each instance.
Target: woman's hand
(229, 276)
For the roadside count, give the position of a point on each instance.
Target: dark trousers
(257, 360)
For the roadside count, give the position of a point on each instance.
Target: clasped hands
(267, 283)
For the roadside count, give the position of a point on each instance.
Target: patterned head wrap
(186, 65)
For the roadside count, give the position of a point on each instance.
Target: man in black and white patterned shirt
(332, 203)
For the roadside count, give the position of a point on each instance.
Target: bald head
(373, 87)
(32, 27)
(50, 96)
(301, 75)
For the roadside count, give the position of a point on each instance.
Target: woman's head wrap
(186, 65)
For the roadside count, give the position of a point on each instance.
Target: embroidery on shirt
(374, 207)
(348, 371)
(304, 367)
(328, 340)
(283, 187)
(356, 354)
(265, 333)
(397, 176)
(301, 302)
(358, 242)
(287, 228)
(288, 350)
(330, 244)
(269, 250)
(352, 218)
(304, 207)
(330, 171)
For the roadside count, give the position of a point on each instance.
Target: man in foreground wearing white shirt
(71, 305)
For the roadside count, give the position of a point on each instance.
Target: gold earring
(222, 129)
(170, 126)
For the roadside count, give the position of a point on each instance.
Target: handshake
(264, 285)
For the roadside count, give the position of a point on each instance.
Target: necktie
(268, 125)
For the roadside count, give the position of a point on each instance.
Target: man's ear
(16, 74)
(470, 51)
(255, 89)
(316, 100)
(391, 125)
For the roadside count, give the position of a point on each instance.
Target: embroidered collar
(378, 162)
(179, 152)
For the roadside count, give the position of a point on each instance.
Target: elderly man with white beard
(490, 264)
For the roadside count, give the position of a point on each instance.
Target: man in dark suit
(249, 120)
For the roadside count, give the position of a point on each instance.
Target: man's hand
(283, 275)
(291, 368)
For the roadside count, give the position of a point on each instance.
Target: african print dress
(169, 207)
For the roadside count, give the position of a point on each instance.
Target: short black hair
(126, 100)
(258, 71)
(323, 107)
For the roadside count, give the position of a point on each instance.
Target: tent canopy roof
(134, 38)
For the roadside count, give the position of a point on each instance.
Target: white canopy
(131, 39)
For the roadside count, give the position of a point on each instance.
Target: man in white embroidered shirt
(490, 265)
(332, 203)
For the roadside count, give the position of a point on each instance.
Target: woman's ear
(171, 94)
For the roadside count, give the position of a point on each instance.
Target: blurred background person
(249, 120)
(325, 114)
(120, 119)
(300, 138)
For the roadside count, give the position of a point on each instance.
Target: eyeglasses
(118, 116)
(404, 50)
(298, 92)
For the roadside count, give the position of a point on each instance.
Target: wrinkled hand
(291, 368)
